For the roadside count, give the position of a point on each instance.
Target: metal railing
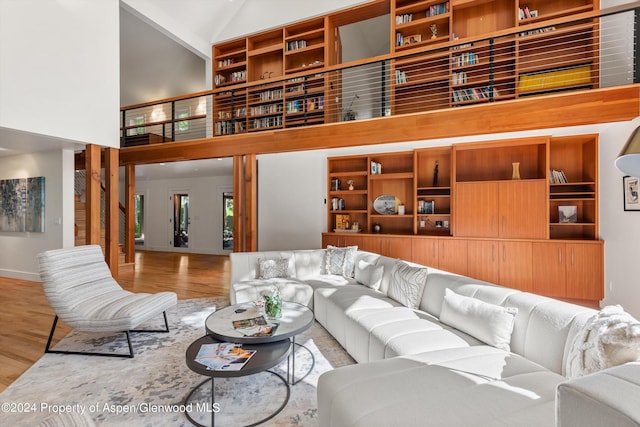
(563, 54)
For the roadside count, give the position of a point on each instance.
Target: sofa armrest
(609, 397)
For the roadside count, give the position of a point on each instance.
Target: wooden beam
(130, 212)
(112, 210)
(531, 113)
(92, 193)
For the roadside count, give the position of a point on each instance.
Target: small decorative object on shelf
(567, 214)
(515, 174)
(377, 228)
(272, 303)
(400, 209)
(435, 175)
(350, 182)
(434, 31)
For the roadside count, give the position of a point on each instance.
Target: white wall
(18, 250)
(292, 210)
(60, 69)
(205, 209)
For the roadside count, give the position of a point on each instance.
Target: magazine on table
(223, 356)
(255, 327)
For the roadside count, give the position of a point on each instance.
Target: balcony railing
(583, 52)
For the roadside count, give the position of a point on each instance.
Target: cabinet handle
(493, 224)
(493, 253)
(433, 249)
(504, 254)
(504, 224)
(560, 256)
(573, 257)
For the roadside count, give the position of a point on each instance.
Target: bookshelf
(468, 72)
(304, 46)
(265, 107)
(500, 229)
(230, 63)
(304, 100)
(420, 23)
(231, 112)
(433, 191)
(265, 55)
(576, 157)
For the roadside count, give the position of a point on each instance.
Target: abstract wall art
(22, 205)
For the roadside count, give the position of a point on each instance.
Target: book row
(266, 109)
(230, 127)
(266, 122)
(226, 62)
(269, 95)
(236, 76)
(296, 44)
(459, 78)
(474, 93)
(311, 104)
(426, 207)
(467, 58)
(557, 177)
(240, 112)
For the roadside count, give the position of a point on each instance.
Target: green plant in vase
(273, 304)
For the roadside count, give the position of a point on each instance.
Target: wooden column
(251, 202)
(129, 212)
(92, 167)
(112, 210)
(238, 204)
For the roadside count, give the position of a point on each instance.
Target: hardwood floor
(25, 318)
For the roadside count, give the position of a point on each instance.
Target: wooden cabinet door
(397, 247)
(585, 276)
(476, 209)
(549, 269)
(483, 260)
(522, 209)
(516, 265)
(425, 252)
(331, 239)
(452, 255)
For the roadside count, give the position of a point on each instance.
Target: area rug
(149, 390)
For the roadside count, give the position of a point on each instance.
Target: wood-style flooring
(25, 317)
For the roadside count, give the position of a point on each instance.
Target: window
(183, 125)
(139, 219)
(227, 220)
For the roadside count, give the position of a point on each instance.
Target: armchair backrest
(71, 278)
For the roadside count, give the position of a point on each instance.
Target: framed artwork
(630, 190)
(22, 205)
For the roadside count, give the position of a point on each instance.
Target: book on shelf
(255, 327)
(557, 177)
(223, 356)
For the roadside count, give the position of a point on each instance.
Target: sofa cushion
(407, 284)
(340, 260)
(290, 289)
(610, 338)
(489, 323)
(471, 386)
(369, 274)
(273, 268)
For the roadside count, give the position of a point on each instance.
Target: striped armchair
(80, 289)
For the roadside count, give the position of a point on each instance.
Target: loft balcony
(547, 71)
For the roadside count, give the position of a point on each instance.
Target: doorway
(180, 220)
(227, 218)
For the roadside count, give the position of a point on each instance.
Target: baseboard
(21, 275)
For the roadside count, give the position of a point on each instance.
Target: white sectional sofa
(404, 324)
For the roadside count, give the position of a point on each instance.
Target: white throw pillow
(340, 260)
(407, 284)
(611, 337)
(273, 268)
(369, 274)
(490, 323)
